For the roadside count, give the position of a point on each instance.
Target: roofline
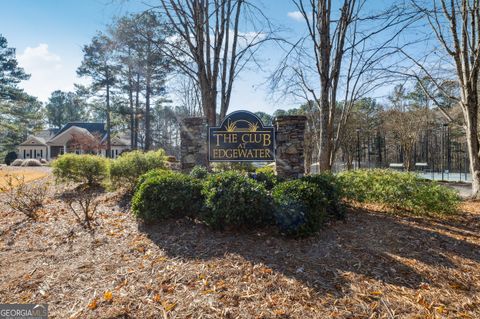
(34, 138)
(68, 129)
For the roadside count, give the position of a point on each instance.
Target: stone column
(193, 144)
(289, 139)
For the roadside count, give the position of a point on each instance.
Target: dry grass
(371, 266)
(28, 174)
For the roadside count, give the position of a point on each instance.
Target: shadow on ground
(373, 245)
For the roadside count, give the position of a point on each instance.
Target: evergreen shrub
(398, 190)
(234, 199)
(85, 168)
(164, 195)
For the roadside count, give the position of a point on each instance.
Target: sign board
(241, 137)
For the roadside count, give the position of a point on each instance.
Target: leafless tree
(456, 26)
(404, 122)
(341, 57)
(190, 97)
(86, 142)
(210, 47)
(83, 201)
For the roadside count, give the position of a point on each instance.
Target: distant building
(75, 137)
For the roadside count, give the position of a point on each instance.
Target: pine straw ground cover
(374, 265)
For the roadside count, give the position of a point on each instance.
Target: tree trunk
(209, 104)
(137, 110)
(379, 150)
(349, 161)
(325, 149)
(109, 139)
(473, 152)
(132, 110)
(408, 158)
(148, 131)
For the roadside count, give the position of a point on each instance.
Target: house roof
(118, 141)
(47, 134)
(93, 128)
(52, 136)
(34, 141)
(65, 135)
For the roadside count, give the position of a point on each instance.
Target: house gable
(93, 128)
(34, 141)
(66, 135)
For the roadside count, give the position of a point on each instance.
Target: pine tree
(64, 107)
(99, 64)
(140, 42)
(10, 73)
(20, 114)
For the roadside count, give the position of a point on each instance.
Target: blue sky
(49, 35)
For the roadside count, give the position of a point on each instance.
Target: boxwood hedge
(234, 199)
(165, 194)
(301, 207)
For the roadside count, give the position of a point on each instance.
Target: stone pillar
(289, 138)
(193, 144)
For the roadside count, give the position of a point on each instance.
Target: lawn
(373, 265)
(28, 174)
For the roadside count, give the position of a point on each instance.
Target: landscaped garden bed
(362, 260)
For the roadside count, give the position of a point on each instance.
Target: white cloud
(39, 58)
(47, 71)
(295, 15)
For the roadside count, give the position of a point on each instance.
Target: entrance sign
(241, 137)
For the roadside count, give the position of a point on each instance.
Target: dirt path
(373, 265)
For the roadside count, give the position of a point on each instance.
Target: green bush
(199, 172)
(268, 179)
(90, 169)
(219, 167)
(149, 174)
(301, 207)
(165, 194)
(233, 199)
(329, 185)
(267, 169)
(127, 168)
(10, 157)
(398, 190)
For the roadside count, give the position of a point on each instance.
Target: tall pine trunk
(137, 110)
(148, 130)
(132, 109)
(109, 139)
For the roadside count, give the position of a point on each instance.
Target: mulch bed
(372, 265)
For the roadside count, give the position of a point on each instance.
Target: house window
(41, 153)
(35, 153)
(30, 155)
(24, 153)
